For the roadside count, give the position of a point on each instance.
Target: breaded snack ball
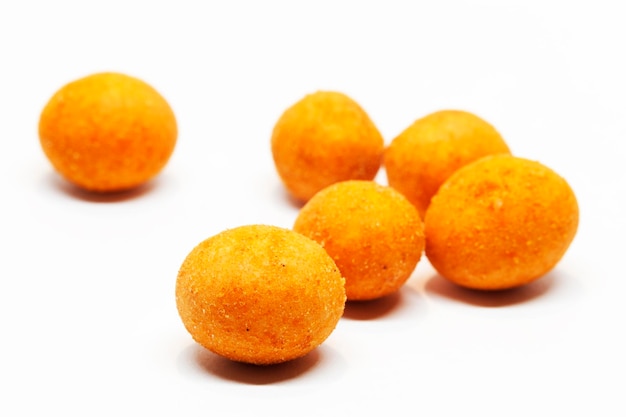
(107, 132)
(259, 294)
(500, 222)
(373, 233)
(324, 138)
(425, 154)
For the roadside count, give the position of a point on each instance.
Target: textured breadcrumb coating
(259, 294)
(500, 222)
(425, 154)
(373, 233)
(107, 132)
(324, 138)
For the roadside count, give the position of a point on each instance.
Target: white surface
(87, 311)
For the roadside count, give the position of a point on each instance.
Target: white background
(88, 320)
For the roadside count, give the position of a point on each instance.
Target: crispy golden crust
(499, 223)
(107, 132)
(259, 294)
(373, 233)
(324, 138)
(420, 159)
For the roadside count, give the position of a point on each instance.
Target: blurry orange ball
(373, 233)
(425, 154)
(259, 294)
(324, 138)
(500, 222)
(107, 132)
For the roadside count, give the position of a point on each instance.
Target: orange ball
(324, 138)
(259, 294)
(425, 154)
(107, 132)
(500, 222)
(373, 233)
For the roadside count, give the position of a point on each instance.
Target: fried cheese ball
(425, 154)
(373, 233)
(324, 138)
(500, 222)
(107, 132)
(259, 294)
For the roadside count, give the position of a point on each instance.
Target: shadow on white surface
(285, 196)
(58, 184)
(437, 285)
(373, 309)
(205, 361)
(398, 304)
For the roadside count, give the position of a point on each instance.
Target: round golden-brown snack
(259, 294)
(500, 222)
(107, 132)
(420, 159)
(324, 138)
(373, 233)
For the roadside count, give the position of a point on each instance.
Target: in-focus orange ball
(107, 132)
(425, 154)
(500, 222)
(259, 294)
(324, 138)
(373, 233)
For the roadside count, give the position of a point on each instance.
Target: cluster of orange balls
(262, 294)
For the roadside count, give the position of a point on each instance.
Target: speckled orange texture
(373, 233)
(107, 132)
(324, 138)
(259, 294)
(420, 159)
(500, 222)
